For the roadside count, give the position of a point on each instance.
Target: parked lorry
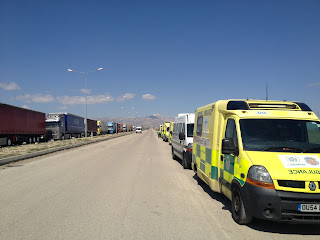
(120, 128)
(65, 125)
(92, 127)
(19, 125)
(112, 127)
(102, 127)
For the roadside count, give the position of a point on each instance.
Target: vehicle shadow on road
(214, 195)
(262, 225)
(284, 228)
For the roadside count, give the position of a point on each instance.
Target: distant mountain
(152, 121)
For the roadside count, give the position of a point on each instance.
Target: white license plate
(309, 207)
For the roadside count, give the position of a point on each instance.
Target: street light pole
(85, 94)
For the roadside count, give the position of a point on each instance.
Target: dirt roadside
(13, 152)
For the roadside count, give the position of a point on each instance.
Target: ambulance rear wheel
(239, 213)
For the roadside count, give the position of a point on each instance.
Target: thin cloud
(148, 97)
(126, 97)
(313, 84)
(65, 100)
(73, 100)
(84, 91)
(9, 86)
(36, 98)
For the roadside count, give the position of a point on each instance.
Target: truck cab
(55, 123)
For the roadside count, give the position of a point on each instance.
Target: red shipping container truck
(19, 125)
(92, 126)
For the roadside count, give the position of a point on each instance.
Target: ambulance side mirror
(170, 132)
(181, 136)
(229, 147)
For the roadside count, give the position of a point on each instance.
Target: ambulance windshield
(280, 135)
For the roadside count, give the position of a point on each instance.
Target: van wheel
(239, 213)
(174, 157)
(184, 162)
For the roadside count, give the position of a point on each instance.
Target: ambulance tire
(239, 213)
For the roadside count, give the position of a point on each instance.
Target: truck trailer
(18, 125)
(65, 125)
(92, 127)
(102, 127)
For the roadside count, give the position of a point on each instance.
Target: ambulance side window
(313, 130)
(231, 131)
(199, 126)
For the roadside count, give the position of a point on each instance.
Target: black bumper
(279, 206)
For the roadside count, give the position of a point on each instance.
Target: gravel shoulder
(24, 151)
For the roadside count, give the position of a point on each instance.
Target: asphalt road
(124, 188)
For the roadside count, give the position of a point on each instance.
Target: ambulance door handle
(221, 158)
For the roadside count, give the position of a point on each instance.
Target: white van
(139, 129)
(182, 138)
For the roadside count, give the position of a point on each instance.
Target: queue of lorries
(18, 125)
(262, 155)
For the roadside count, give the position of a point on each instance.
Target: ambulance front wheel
(239, 213)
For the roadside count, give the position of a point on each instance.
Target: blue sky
(165, 57)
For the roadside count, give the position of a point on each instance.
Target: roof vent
(237, 105)
(303, 106)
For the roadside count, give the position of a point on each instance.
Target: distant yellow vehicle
(166, 131)
(170, 133)
(160, 131)
(263, 155)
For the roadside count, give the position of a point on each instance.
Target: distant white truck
(139, 129)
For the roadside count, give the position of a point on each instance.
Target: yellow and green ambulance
(263, 155)
(166, 131)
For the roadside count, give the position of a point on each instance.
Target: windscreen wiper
(283, 148)
(314, 149)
